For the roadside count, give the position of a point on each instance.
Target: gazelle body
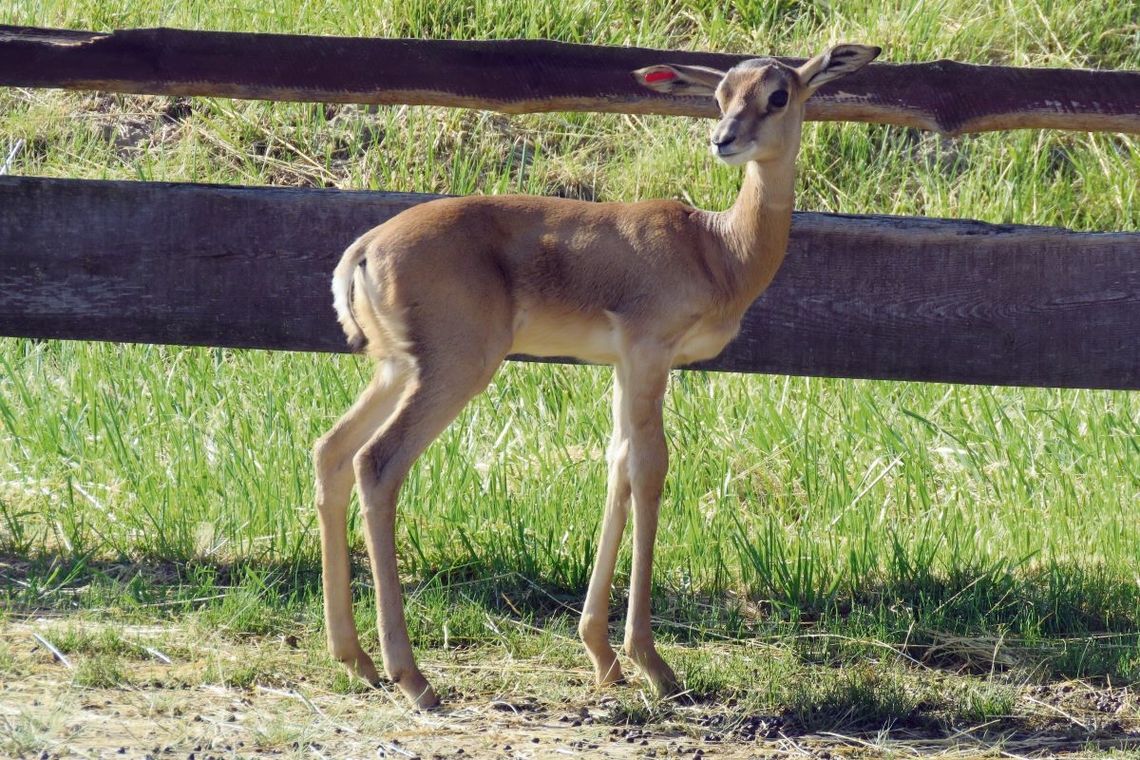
(443, 292)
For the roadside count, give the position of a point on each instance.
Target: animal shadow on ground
(1030, 663)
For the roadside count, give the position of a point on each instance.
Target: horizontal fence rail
(858, 296)
(518, 76)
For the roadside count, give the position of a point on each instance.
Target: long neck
(754, 232)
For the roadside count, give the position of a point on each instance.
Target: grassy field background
(982, 530)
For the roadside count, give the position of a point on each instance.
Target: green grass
(895, 513)
(989, 506)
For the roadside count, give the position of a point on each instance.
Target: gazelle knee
(647, 476)
(648, 454)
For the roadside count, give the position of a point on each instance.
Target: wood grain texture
(873, 297)
(517, 76)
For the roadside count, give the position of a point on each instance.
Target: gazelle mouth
(735, 152)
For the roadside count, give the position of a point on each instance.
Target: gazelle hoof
(660, 676)
(665, 684)
(608, 675)
(418, 691)
(360, 666)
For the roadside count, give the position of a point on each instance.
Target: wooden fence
(520, 76)
(859, 296)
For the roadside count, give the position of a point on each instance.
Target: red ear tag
(660, 76)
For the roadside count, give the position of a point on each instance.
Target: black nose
(725, 133)
(720, 139)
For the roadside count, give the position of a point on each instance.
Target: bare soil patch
(220, 698)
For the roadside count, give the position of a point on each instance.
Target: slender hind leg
(332, 458)
(435, 396)
(594, 626)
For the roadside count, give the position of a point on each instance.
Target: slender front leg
(647, 375)
(594, 626)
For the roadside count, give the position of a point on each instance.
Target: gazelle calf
(440, 294)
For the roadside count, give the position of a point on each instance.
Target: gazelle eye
(778, 99)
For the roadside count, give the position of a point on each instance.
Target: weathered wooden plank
(518, 76)
(876, 297)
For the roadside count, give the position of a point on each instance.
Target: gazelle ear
(679, 80)
(835, 62)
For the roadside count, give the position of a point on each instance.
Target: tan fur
(444, 291)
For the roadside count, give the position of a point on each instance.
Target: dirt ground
(204, 722)
(211, 722)
(55, 709)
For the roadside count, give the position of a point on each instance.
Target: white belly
(592, 340)
(704, 342)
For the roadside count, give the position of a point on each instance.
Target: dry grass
(272, 697)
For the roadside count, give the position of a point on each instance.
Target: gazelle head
(761, 100)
